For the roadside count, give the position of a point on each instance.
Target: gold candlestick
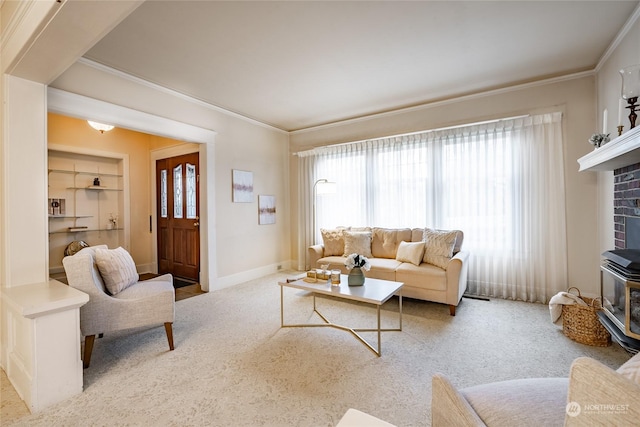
(620, 130)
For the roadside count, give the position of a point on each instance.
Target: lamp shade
(100, 126)
(630, 81)
(327, 187)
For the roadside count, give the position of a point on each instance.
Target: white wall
(574, 96)
(609, 87)
(245, 249)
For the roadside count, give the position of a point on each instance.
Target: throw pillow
(117, 269)
(410, 252)
(333, 241)
(357, 242)
(438, 246)
(631, 369)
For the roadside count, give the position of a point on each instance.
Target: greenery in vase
(599, 139)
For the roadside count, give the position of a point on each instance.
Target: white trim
(449, 101)
(83, 107)
(70, 104)
(621, 35)
(256, 273)
(175, 93)
(622, 151)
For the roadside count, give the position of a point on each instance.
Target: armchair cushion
(117, 268)
(523, 402)
(631, 369)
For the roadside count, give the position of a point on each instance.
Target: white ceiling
(295, 65)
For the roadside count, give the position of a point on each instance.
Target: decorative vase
(356, 277)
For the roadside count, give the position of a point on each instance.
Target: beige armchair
(592, 395)
(145, 303)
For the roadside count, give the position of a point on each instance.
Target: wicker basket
(581, 323)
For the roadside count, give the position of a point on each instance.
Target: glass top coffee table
(374, 291)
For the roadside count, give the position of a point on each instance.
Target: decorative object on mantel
(620, 130)
(623, 150)
(599, 139)
(355, 263)
(631, 90)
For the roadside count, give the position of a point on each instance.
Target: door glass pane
(191, 191)
(177, 191)
(163, 193)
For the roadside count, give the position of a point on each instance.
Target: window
(501, 183)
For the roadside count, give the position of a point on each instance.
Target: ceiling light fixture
(100, 126)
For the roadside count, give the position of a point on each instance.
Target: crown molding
(175, 93)
(621, 35)
(448, 101)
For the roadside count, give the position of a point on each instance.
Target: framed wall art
(242, 182)
(266, 209)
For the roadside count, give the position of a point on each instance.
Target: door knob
(195, 224)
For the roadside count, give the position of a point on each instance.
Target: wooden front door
(177, 188)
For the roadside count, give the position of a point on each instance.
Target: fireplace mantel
(619, 152)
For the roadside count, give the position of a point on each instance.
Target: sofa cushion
(116, 268)
(333, 241)
(439, 246)
(425, 276)
(357, 242)
(523, 402)
(385, 241)
(417, 235)
(631, 369)
(383, 268)
(410, 252)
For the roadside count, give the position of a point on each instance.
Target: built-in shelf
(84, 173)
(619, 152)
(94, 187)
(74, 230)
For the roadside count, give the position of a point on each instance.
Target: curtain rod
(416, 133)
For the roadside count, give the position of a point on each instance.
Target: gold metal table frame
(322, 288)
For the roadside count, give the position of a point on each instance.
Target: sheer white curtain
(502, 183)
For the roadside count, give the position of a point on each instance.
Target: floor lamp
(325, 187)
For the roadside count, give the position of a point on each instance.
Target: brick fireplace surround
(626, 199)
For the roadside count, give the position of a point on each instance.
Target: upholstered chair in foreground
(117, 299)
(593, 394)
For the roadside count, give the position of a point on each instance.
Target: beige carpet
(234, 366)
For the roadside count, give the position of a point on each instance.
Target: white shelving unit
(84, 209)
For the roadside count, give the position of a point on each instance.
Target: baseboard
(245, 276)
(146, 268)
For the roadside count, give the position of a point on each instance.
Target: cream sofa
(442, 284)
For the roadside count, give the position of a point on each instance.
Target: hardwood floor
(188, 291)
(183, 292)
